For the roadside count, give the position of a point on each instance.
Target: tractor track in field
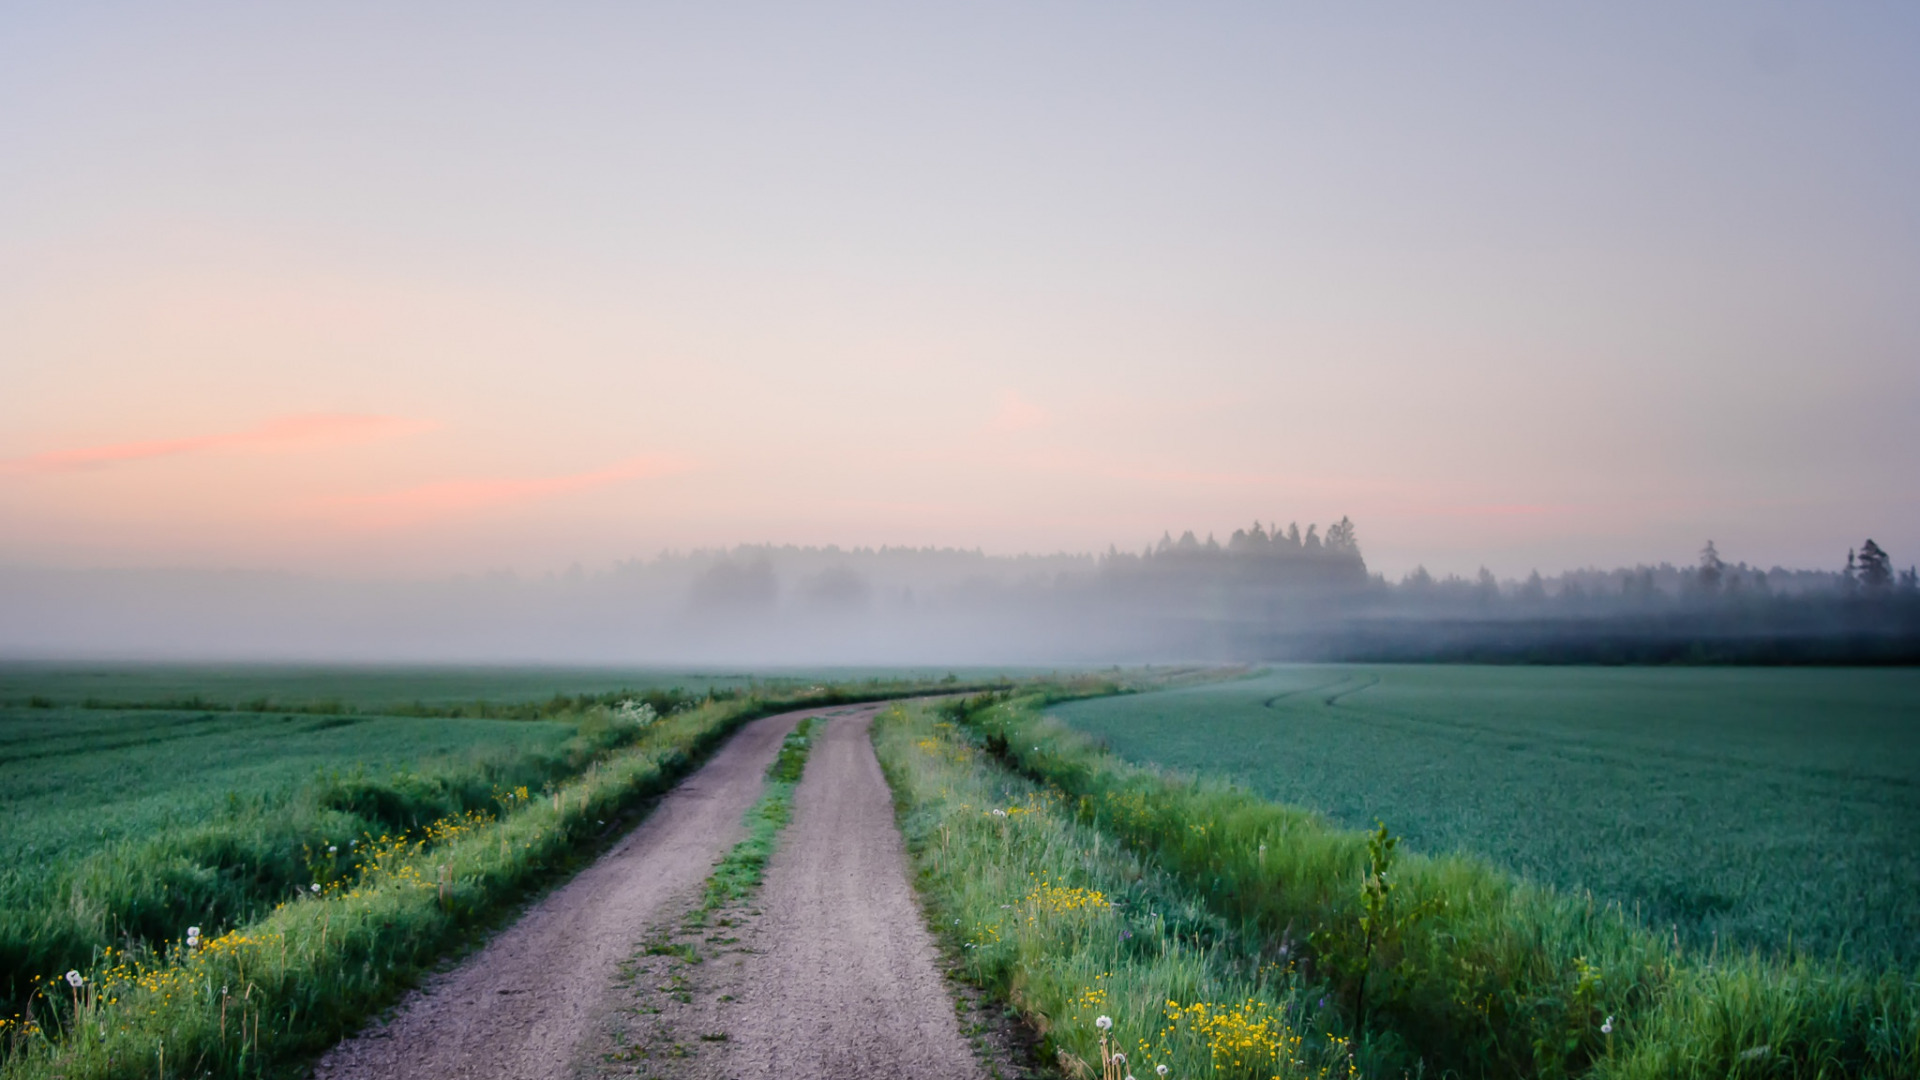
(836, 975)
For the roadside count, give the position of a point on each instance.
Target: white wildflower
(74, 980)
(1607, 1028)
(333, 849)
(1103, 1023)
(999, 813)
(316, 886)
(637, 713)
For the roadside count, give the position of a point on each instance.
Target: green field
(126, 825)
(376, 689)
(76, 781)
(1745, 807)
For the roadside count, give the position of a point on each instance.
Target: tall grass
(228, 867)
(1482, 975)
(1058, 919)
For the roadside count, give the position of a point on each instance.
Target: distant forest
(1865, 612)
(1268, 594)
(1265, 594)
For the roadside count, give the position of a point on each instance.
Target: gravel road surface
(843, 979)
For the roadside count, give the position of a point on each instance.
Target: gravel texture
(828, 971)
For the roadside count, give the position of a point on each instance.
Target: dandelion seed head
(74, 980)
(316, 886)
(1160, 1070)
(1103, 1023)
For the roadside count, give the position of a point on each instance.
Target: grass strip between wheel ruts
(740, 871)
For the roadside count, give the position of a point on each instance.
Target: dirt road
(829, 971)
(838, 977)
(520, 1008)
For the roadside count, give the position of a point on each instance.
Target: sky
(409, 290)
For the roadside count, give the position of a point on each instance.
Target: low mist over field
(1263, 594)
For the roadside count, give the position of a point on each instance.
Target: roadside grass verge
(1057, 919)
(260, 998)
(1447, 965)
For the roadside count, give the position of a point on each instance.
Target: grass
(1463, 968)
(1051, 914)
(335, 689)
(421, 859)
(1752, 808)
(741, 869)
(118, 825)
(493, 691)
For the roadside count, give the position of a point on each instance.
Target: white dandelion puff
(1160, 1070)
(74, 980)
(316, 886)
(1607, 1028)
(333, 849)
(1103, 1023)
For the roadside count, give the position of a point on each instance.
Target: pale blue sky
(1510, 287)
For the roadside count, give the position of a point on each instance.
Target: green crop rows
(1766, 808)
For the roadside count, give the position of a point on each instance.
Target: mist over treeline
(1265, 593)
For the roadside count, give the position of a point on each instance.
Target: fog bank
(1263, 595)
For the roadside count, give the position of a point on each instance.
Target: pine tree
(1876, 570)
(1712, 570)
(1340, 536)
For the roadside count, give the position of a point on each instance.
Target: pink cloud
(284, 433)
(447, 497)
